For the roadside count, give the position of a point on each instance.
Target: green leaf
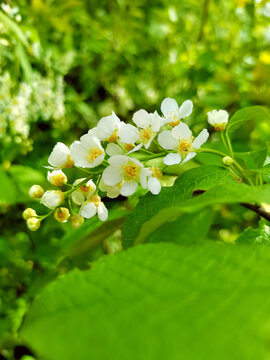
(156, 302)
(254, 113)
(227, 192)
(25, 177)
(265, 171)
(253, 159)
(185, 229)
(259, 236)
(7, 189)
(202, 178)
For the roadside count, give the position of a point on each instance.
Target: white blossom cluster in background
(114, 157)
(19, 107)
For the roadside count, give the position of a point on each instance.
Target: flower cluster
(23, 105)
(116, 158)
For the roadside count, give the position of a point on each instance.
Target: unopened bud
(62, 214)
(28, 213)
(52, 198)
(33, 223)
(227, 160)
(36, 192)
(76, 221)
(57, 178)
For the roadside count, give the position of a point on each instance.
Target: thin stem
(212, 151)
(229, 144)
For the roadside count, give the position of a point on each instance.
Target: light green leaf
(156, 302)
(253, 159)
(150, 205)
(259, 236)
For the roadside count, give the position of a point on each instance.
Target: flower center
(94, 152)
(146, 134)
(131, 171)
(113, 137)
(69, 162)
(156, 172)
(85, 188)
(184, 146)
(129, 147)
(59, 179)
(95, 199)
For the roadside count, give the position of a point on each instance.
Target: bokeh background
(66, 63)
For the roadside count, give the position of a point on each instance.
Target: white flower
(180, 139)
(88, 152)
(149, 124)
(128, 136)
(127, 173)
(60, 157)
(108, 127)
(80, 195)
(173, 113)
(112, 192)
(218, 119)
(52, 198)
(94, 206)
(36, 192)
(57, 177)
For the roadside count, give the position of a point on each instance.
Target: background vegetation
(63, 65)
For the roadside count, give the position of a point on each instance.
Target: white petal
(167, 141)
(114, 149)
(156, 121)
(118, 160)
(111, 176)
(107, 125)
(143, 177)
(128, 134)
(136, 148)
(200, 139)
(189, 156)
(88, 210)
(97, 161)
(94, 132)
(154, 185)
(168, 105)
(59, 155)
(78, 154)
(181, 131)
(102, 212)
(89, 141)
(142, 119)
(185, 109)
(128, 188)
(172, 159)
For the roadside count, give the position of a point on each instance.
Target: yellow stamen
(131, 171)
(146, 134)
(94, 152)
(174, 123)
(156, 172)
(113, 137)
(184, 146)
(129, 147)
(95, 199)
(70, 163)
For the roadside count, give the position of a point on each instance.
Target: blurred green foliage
(66, 63)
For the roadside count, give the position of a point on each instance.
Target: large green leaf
(150, 205)
(185, 229)
(156, 302)
(254, 113)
